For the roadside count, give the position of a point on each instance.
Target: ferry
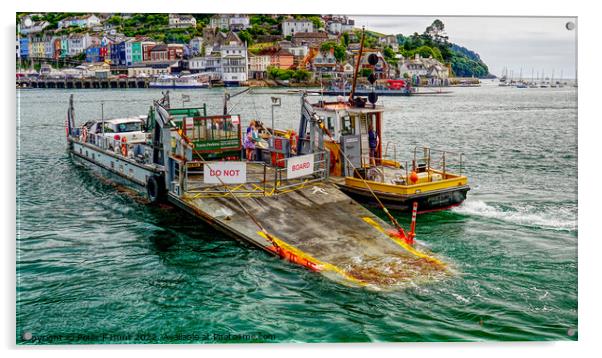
(288, 208)
(389, 87)
(182, 82)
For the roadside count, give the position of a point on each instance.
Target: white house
(181, 21)
(28, 26)
(87, 21)
(290, 27)
(233, 22)
(78, 43)
(234, 63)
(207, 64)
(423, 67)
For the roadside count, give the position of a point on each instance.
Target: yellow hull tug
(352, 133)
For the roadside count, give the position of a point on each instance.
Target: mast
(357, 65)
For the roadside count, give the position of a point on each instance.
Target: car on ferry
(133, 129)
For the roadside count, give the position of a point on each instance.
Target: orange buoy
(413, 177)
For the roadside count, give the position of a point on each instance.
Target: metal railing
(135, 150)
(262, 179)
(437, 159)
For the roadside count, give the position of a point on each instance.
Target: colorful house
(133, 52)
(118, 53)
(24, 47)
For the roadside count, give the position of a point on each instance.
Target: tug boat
(428, 179)
(347, 126)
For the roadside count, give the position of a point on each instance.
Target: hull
(112, 167)
(430, 201)
(154, 85)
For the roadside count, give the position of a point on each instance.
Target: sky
(535, 44)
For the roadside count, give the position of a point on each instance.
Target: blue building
(118, 54)
(24, 47)
(92, 54)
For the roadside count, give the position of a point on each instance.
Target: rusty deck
(319, 227)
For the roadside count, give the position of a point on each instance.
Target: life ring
(155, 188)
(84, 134)
(124, 146)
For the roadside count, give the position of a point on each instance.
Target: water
(95, 265)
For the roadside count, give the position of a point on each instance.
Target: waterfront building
(292, 26)
(258, 66)
(118, 54)
(64, 47)
(77, 43)
(234, 63)
(97, 53)
(151, 69)
(207, 64)
(133, 51)
(310, 39)
(324, 62)
(147, 47)
(87, 21)
(279, 57)
(196, 45)
(167, 52)
(24, 47)
(48, 46)
(423, 67)
(18, 45)
(181, 21)
(38, 49)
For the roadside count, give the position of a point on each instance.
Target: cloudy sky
(533, 43)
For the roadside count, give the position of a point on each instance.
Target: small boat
(429, 179)
(187, 81)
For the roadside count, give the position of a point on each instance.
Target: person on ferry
(249, 142)
(373, 144)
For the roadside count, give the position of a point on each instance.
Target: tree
(245, 36)
(316, 21)
(437, 32)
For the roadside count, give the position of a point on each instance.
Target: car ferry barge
(288, 208)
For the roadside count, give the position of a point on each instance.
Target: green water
(94, 265)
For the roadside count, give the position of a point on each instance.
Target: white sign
(228, 172)
(300, 166)
(189, 123)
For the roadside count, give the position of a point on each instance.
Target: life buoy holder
(124, 146)
(84, 134)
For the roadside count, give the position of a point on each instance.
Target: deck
(318, 226)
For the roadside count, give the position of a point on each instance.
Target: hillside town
(297, 49)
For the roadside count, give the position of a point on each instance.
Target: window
(348, 127)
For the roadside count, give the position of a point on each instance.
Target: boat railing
(386, 154)
(438, 160)
(262, 179)
(137, 151)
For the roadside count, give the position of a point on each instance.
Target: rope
(391, 218)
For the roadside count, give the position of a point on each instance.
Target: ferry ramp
(312, 223)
